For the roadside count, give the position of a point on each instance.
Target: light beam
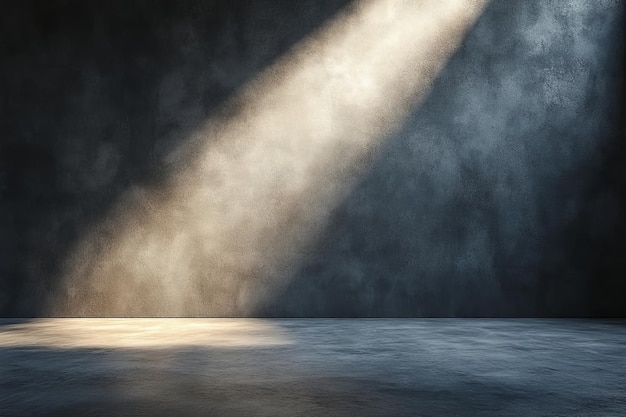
(255, 184)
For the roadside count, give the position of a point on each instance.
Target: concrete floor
(329, 367)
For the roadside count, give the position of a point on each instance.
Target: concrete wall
(504, 193)
(501, 195)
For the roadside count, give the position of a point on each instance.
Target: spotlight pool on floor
(329, 367)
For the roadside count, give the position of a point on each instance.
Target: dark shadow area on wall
(591, 250)
(504, 193)
(96, 94)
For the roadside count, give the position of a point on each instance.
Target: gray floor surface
(316, 367)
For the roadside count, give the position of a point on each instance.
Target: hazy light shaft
(255, 184)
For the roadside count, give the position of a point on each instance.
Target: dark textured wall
(95, 95)
(502, 194)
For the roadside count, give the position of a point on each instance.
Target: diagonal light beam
(254, 186)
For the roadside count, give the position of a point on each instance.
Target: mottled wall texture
(502, 193)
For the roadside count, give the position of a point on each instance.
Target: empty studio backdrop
(312, 158)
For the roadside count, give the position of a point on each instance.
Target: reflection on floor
(330, 367)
